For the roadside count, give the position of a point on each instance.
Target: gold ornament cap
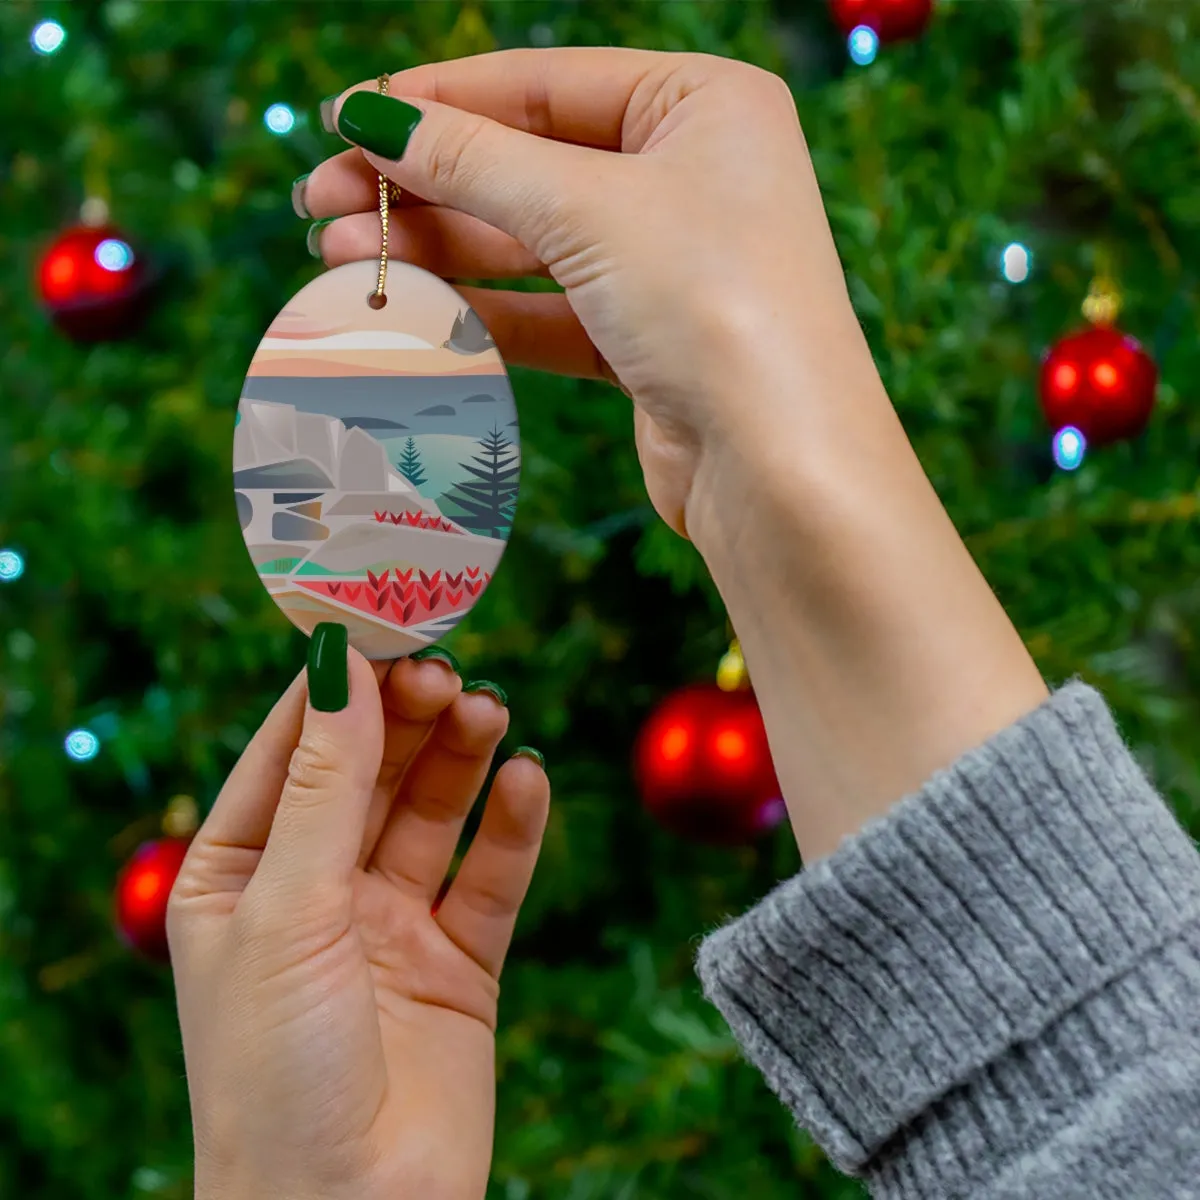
(731, 671)
(1103, 303)
(182, 817)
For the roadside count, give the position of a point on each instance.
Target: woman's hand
(338, 1035)
(698, 249)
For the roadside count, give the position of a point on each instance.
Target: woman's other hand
(338, 1034)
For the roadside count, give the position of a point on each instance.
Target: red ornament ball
(1100, 381)
(93, 283)
(892, 20)
(704, 768)
(143, 888)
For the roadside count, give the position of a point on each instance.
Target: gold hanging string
(389, 193)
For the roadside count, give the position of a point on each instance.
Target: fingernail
(328, 673)
(313, 238)
(436, 652)
(378, 123)
(298, 205)
(486, 685)
(327, 113)
(530, 752)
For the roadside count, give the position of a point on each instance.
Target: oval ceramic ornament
(376, 458)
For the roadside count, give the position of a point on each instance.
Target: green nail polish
(530, 752)
(436, 652)
(328, 673)
(327, 112)
(313, 238)
(486, 685)
(378, 123)
(298, 205)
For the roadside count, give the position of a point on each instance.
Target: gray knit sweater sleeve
(994, 990)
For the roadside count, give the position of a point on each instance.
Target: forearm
(986, 992)
(877, 650)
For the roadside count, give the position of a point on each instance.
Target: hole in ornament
(375, 300)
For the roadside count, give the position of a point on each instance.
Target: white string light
(1069, 448)
(47, 37)
(280, 119)
(1016, 262)
(12, 566)
(114, 255)
(863, 44)
(82, 745)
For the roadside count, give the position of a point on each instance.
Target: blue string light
(12, 566)
(863, 44)
(1016, 262)
(1069, 448)
(280, 119)
(47, 37)
(114, 255)
(82, 745)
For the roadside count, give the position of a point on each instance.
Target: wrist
(877, 650)
(788, 438)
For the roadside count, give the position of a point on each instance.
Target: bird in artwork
(469, 335)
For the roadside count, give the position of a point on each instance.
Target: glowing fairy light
(47, 37)
(114, 255)
(82, 745)
(1069, 448)
(1016, 262)
(280, 119)
(863, 44)
(12, 566)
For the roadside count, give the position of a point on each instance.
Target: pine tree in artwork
(488, 503)
(410, 464)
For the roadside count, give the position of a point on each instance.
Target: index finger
(577, 94)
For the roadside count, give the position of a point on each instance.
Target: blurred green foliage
(1072, 128)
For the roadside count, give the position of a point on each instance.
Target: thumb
(318, 828)
(517, 182)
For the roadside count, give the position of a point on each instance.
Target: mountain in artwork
(274, 446)
(372, 423)
(469, 335)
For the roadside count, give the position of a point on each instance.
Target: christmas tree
(1059, 136)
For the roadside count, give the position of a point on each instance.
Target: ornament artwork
(704, 768)
(889, 20)
(376, 458)
(144, 884)
(93, 283)
(376, 455)
(1099, 382)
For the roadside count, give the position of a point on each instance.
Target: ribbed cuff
(951, 981)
